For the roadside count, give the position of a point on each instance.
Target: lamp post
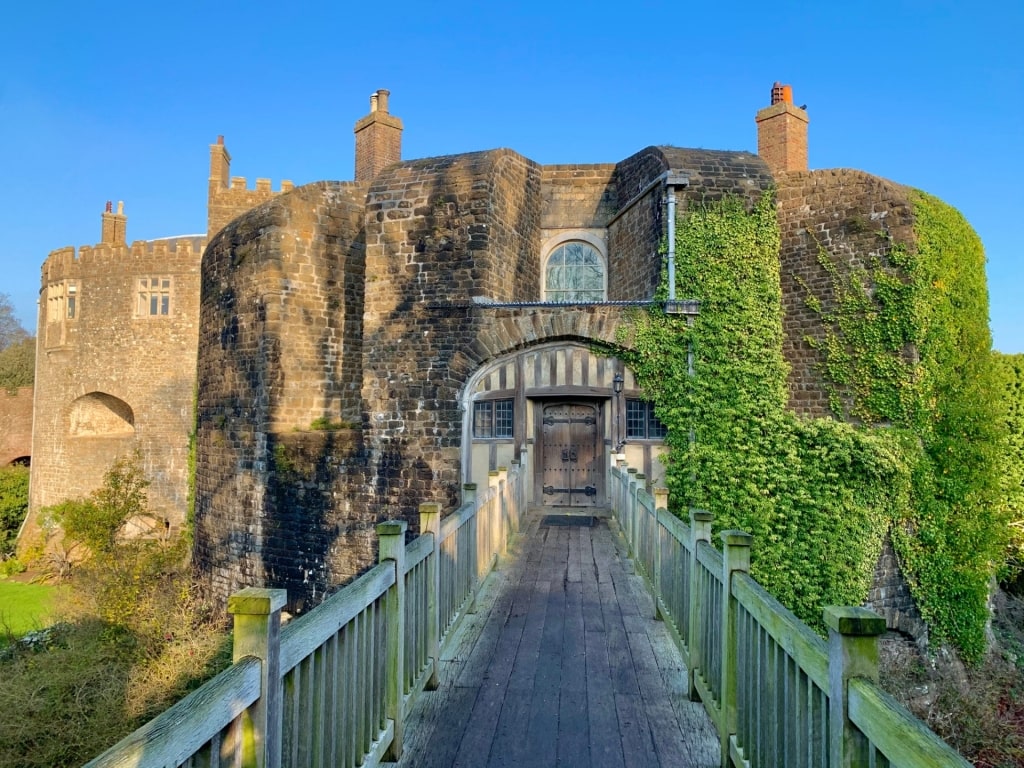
(617, 383)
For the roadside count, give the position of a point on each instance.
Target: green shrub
(13, 505)
(133, 639)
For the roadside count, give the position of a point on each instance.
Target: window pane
(482, 420)
(635, 411)
(655, 429)
(503, 418)
(574, 273)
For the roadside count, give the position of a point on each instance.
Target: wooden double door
(572, 456)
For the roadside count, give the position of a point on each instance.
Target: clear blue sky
(120, 101)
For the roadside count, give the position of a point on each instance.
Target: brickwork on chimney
(782, 133)
(378, 139)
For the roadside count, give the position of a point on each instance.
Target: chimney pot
(378, 138)
(782, 132)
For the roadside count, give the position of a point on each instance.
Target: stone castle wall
(438, 231)
(638, 229)
(854, 217)
(15, 425)
(577, 196)
(111, 380)
(279, 350)
(229, 201)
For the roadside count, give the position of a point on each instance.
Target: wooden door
(570, 456)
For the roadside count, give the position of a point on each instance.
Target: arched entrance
(554, 407)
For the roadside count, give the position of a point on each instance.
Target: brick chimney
(782, 132)
(114, 229)
(378, 138)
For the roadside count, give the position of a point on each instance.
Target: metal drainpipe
(671, 243)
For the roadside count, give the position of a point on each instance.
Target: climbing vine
(1011, 379)
(815, 494)
(959, 531)
(914, 447)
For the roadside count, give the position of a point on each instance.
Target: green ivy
(1011, 372)
(959, 534)
(905, 346)
(815, 494)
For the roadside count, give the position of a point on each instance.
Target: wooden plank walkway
(561, 665)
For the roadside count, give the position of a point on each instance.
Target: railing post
(517, 472)
(660, 503)
(469, 496)
(641, 520)
(852, 652)
(700, 530)
(494, 478)
(503, 500)
(735, 558)
(631, 506)
(392, 547)
(430, 522)
(257, 633)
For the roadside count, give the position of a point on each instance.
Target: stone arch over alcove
(98, 414)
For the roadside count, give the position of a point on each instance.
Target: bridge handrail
(206, 721)
(777, 693)
(334, 686)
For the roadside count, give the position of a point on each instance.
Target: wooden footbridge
(503, 636)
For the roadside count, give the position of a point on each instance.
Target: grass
(24, 607)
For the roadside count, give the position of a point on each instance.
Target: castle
(339, 352)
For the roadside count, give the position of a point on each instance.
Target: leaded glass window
(641, 423)
(574, 273)
(493, 418)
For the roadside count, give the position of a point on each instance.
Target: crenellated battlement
(240, 184)
(230, 196)
(70, 262)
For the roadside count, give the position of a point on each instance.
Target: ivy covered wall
(912, 439)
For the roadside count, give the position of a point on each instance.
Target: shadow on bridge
(561, 664)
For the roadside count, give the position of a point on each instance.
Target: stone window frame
(71, 303)
(149, 288)
(61, 308)
(565, 237)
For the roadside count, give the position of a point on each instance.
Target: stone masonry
(852, 217)
(15, 425)
(322, 351)
(111, 378)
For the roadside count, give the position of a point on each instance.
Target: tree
(11, 331)
(18, 364)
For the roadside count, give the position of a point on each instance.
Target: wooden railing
(333, 687)
(777, 693)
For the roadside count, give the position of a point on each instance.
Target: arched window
(574, 272)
